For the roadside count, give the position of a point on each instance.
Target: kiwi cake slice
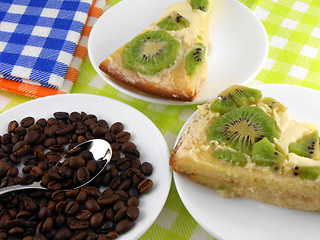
(174, 22)
(151, 52)
(195, 58)
(235, 96)
(242, 127)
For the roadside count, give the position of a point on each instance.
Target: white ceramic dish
(239, 43)
(245, 219)
(145, 135)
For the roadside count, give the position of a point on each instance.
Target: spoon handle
(35, 185)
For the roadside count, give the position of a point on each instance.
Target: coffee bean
(44, 212)
(145, 186)
(92, 205)
(132, 212)
(83, 175)
(12, 126)
(80, 236)
(47, 225)
(83, 215)
(71, 207)
(124, 225)
(16, 232)
(27, 122)
(107, 226)
(96, 220)
(78, 225)
(63, 234)
(146, 168)
(120, 214)
(60, 220)
(61, 115)
(133, 201)
(31, 136)
(112, 235)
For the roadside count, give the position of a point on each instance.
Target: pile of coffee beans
(105, 208)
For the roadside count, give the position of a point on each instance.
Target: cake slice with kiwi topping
(246, 145)
(169, 57)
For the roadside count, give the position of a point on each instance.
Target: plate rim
(162, 145)
(179, 176)
(132, 92)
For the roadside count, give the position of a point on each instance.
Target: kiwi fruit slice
(265, 154)
(174, 22)
(273, 104)
(307, 172)
(200, 4)
(235, 96)
(307, 146)
(242, 127)
(151, 52)
(195, 58)
(234, 157)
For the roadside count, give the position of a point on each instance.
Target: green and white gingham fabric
(293, 29)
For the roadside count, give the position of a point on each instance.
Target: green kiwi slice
(235, 96)
(195, 58)
(242, 127)
(273, 104)
(307, 172)
(200, 4)
(174, 22)
(265, 154)
(151, 52)
(307, 146)
(234, 157)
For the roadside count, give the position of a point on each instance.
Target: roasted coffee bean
(47, 225)
(110, 137)
(12, 126)
(76, 162)
(112, 235)
(61, 115)
(63, 234)
(72, 207)
(92, 236)
(115, 146)
(132, 212)
(107, 226)
(83, 215)
(60, 220)
(44, 212)
(31, 205)
(58, 195)
(27, 122)
(102, 237)
(110, 213)
(92, 205)
(83, 175)
(41, 122)
(91, 165)
(145, 186)
(49, 142)
(108, 200)
(133, 201)
(78, 225)
(68, 129)
(13, 172)
(99, 131)
(65, 172)
(115, 182)
(92, 191)
(96, 220)
(56, 148)
(123, 164)
(80, 236)
(27, 179)
(121, 213)
(75, 116)
(4, 168)
(123, 136)
(124, 225)
(116, 127)
(133, 192)
(39, 154)
(21, 148)
(31, 136)
(16, 232)
(61, 140)
(52, 121)
(53, 186)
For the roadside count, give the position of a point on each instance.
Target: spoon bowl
(100, 150)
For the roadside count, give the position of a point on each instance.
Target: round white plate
(245, 219)
(144, 134)
(239, 43)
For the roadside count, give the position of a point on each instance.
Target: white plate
(239, 43)
(245, 219)
(145, 135)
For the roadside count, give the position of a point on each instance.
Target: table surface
(293, 29)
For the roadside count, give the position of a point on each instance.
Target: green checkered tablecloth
(293, 29)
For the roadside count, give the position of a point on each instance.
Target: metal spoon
(101, 152)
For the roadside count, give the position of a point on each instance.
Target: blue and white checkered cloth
(38, 38)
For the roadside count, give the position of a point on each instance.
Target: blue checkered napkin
(38, 38)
